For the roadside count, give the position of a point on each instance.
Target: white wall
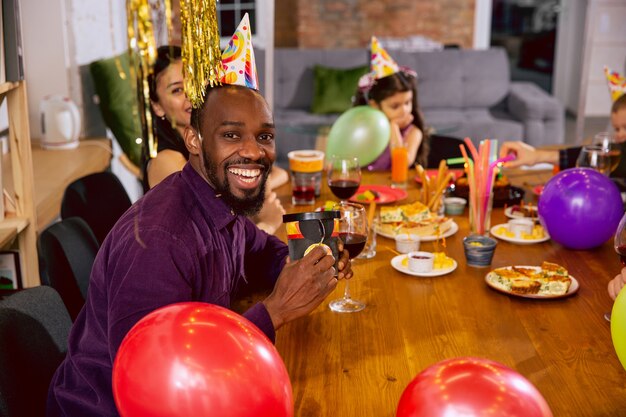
(46, 57)
(605, 45)
(569, 51)
(61, 35)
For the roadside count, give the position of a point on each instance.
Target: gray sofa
(461, 93)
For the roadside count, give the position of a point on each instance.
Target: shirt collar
(216, 209)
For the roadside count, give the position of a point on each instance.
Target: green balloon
(618, 326)
(361, 132)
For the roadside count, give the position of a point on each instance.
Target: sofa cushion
(293, 72)
(118, 103)
(456, 78)
(334, 88)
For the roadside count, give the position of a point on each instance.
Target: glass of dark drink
(344, 177)
(619, 243)
(353, 232)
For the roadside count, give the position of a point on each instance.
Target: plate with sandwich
(548, 281)
(414, 218)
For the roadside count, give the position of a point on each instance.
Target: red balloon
(197, 359)
(471, 387)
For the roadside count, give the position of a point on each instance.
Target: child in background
(171, 111)
(566, 158)
(393, 90)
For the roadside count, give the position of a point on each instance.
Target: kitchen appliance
(60, 123)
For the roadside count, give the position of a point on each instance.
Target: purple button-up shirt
(180, 242)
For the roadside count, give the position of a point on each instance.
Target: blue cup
(479, 250)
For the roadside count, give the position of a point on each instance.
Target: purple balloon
(580, 208)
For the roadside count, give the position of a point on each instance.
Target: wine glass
(595, 157)
(619, 243)
(344, 177)
(353, 232)
(607, 141)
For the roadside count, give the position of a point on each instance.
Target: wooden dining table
(358, 364)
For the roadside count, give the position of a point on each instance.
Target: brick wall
(350, 23)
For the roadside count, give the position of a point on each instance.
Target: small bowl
(421, 262)
(521, 226)
(479, 250)
(454, 206)
(406, 243)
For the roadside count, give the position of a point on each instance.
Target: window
(230, 12)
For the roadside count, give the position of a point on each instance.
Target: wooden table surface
(358, 364)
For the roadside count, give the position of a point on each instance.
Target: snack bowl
(521, 226)
(479, 250)
(406, 243)
(454, 206)
(421, 262)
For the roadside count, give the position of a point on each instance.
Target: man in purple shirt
(188, 240)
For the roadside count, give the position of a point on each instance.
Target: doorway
(527, 30)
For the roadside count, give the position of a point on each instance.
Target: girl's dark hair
(388, 86)
(166, 54)
(162, 129)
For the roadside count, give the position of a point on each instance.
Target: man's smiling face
(237, 143)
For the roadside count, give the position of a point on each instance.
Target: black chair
(99, 199)
(444, 147)
(34, 330)
(67, 250)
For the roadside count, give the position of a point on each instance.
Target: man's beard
(250, 204)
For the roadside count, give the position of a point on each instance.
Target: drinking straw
(455, 161)
(469, 170)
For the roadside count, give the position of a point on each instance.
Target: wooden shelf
(21, 181)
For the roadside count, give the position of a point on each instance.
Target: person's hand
(526, 154)
(302, 285)
(617, 283)
(271, 215)
(344, 266)
(402, 121)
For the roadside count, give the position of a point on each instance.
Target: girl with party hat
(393, 90)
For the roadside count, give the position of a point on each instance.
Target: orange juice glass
(399, 166)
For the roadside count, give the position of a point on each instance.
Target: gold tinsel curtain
(200, 52)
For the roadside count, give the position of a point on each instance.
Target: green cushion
(118, 103)
(334, 88)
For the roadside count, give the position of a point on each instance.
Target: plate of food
(538, 234)
(517, 211)
(443, 265)
(414, 218)
(547, 281)
(380, 194)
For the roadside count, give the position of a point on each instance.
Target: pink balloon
(197, 359)
(471, 387)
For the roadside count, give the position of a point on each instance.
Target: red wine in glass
(621, 251)
(343, 189)
(353, 243)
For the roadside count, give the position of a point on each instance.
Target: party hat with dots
(381, 63)
(616, 82)
(238, 58)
